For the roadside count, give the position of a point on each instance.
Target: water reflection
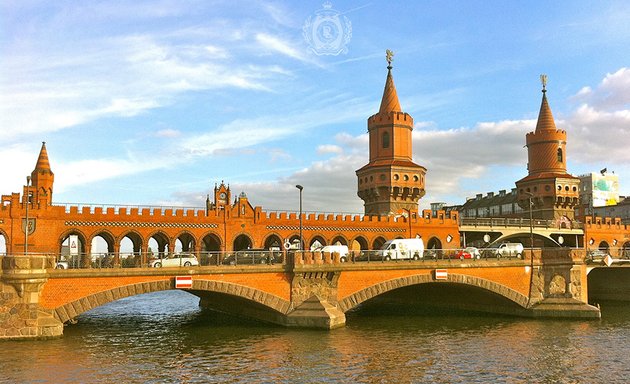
(164, 337)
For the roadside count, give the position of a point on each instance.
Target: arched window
(559, 155)
(385, 139)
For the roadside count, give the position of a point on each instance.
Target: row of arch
(160, 243)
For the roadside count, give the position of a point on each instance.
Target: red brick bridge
(308, 291)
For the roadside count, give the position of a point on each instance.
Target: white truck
(399, 249)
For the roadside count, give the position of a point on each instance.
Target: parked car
(179, 260)
(510, 250)
(468, 253)
(253, 256)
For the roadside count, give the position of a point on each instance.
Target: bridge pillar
(21, 316)
(314, 302)
(559, 285)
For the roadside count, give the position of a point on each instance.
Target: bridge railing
(264, 258)
(504, 222)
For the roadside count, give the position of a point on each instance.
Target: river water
(164, 337)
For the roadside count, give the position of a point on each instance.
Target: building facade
(391, 185)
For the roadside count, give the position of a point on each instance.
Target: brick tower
(42, 179)
(554, 192)
(391, 182)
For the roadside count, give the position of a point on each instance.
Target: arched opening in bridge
(211, 243)
(431, 299)
(625, 250)
(102, 250)
(434, 245)
(3, 243)
(603, 246)
(294, 240)
(72, 249)
(130, 245)
(316, 242)
(608, 284)
(378, 242)
(339, 240)
(359, 243)
(185, 243)
(273, 243)
(158, 245)
(126, 250)
(242, 242)
(210, 249)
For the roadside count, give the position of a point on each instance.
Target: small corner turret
(39, 186)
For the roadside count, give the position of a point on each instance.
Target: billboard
(605, 189)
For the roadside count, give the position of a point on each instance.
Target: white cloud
(168, 133)
(275, 44)
(329, 148)
(119, 76)
(492, 153)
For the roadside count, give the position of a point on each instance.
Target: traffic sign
(440, 274)
(183, 282)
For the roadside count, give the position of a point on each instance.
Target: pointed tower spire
(42, 161)
(545, 118)
(42, 176)
(389, 102)
(552, 192)
(391, 182)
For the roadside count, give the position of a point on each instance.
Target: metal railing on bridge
(261, 258)
(504, 222)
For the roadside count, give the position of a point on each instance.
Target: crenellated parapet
(391, 117)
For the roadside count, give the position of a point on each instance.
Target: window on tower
(385, 139)
(559, 155)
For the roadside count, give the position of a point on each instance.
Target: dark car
(253, 256)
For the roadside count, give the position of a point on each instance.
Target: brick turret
(391, 182)
(42, 180)
(554, 192)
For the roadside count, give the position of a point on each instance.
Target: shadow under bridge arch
(221, 296)
(235, 299)
(516, 301)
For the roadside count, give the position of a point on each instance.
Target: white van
(402, 249)
(510, 250)
(342, 250)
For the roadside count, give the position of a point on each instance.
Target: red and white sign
(182, 282)
(441, 274)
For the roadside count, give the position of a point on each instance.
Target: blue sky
(153, 102)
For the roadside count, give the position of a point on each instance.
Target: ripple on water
(165, 338)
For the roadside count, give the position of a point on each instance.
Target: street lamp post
(531, 247)
(531, 228)
(300, 188)
(26, 226)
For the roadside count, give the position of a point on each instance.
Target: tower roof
(545, 118)
(42, 160)
(390, 103)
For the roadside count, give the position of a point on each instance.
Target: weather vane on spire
(543, 80)
(389, 55)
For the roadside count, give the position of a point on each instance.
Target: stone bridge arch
(365, 294)
(70, 310)
(540, 240)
